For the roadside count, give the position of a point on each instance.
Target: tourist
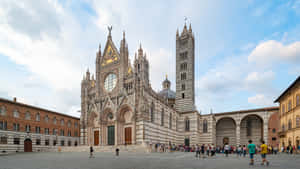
(244, 150)
(197, 151)
(264, 152)
(239, 151)
(227, 149)
(208, 150)
(91, 152)
(251, 149)
(275, 150)
(212, 150)
(117, 151)
(202, 150)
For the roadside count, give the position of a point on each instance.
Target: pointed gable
(111, 53)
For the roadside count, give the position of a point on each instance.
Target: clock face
(110, 82)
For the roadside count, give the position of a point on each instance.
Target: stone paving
(176, 160)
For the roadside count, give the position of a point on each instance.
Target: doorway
(187, 142)
(96, 138)
(128, 135)
(111, 135)
(27, 145)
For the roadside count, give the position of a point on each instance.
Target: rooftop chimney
(15, 99)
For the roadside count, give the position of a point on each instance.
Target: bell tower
(185, 70)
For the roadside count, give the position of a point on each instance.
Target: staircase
(122, 148)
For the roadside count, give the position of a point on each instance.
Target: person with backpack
(91, 152)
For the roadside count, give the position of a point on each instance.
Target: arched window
(282, 109)
(69, 123)
(290, 105)
(298, 121)
(37, 117)
(187, 124)
(62, 122)
(27, 116)
(162, 117)
(16, 113)
(204, 126)
(282, 127)
(2, 111)
(76, 125)
(170, 121)
(46, 119)
(290, 124)
(298, 100)
(152, 112)
(54, 120)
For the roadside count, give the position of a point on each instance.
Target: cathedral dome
(167, 93)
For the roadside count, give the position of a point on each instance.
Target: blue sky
(247, 52)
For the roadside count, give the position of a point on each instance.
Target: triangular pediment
(110, 53)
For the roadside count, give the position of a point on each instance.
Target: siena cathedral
(119, 106)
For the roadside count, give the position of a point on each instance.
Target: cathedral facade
(119, 106)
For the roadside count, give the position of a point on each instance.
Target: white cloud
(261, 100)
(272, 51)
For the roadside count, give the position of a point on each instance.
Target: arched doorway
(226, 132)
(251, 128)
(125, 125)
(27, 145)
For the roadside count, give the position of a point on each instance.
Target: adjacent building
(289, 102)
(29, 128)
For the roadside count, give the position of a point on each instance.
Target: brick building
(273, 127)
(28, 128)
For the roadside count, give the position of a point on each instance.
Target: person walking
(208, 150)
(239, 151)
(91, 152)
(227, 149)
(244, 150)
(251, 149)
(202, 150)
(213, 150)
(197, 151)
(264, 152)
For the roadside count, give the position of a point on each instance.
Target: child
(263, 152)
(251, 149)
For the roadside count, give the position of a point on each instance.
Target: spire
(109, 31)
(177, 33)
(190, 28)
(99, 46)
(140, 51)
(88, 74)
(123, 35)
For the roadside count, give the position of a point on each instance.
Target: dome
(167, 94)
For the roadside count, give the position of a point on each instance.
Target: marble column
(238, 134)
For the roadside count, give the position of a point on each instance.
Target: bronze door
(111, 135)
(96, 138)
(128, 135)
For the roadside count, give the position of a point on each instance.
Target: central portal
(111, 135)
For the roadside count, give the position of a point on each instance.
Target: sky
(246, 52)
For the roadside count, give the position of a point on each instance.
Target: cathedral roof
(167, 93)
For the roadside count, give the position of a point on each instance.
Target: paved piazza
(178, 160)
